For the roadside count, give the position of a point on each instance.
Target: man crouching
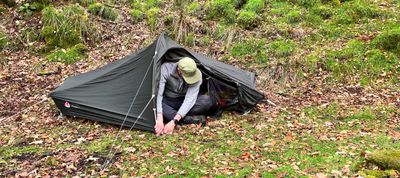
(178, 99)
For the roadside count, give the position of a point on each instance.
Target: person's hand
(159, 127)
(169, 127)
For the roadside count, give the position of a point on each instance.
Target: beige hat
(191, 74)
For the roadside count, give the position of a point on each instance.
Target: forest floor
(314, 128)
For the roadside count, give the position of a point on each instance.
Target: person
(178, 99)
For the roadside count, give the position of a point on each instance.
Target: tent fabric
(106, 94)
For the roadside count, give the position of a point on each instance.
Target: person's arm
(190, 99)
(161, 87)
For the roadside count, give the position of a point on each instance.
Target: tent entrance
(224, 94)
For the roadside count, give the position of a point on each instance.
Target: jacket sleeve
(190, 98)
(161, 87)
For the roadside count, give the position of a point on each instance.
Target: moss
(323, 11)
(356, 11)
(168, 20)
(307, 3)
(282, 48)
(136, 15)
(388, 40)
(103, 11)
(85, 3)
(250, 48)
(221, 9)
(193, 8)
(68, 56)
(247, 19)
(377, 62)
(204, 40)
(66, 27)
(148, 4)
(377, 173)
(363, 115)
(3, 40)
(385, 159)
(333, 2)
(152, 18)
(9, 152)
(190, 39)
(294, 16)
(255, 5)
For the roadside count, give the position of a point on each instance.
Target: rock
(385, 159)
(378, 173)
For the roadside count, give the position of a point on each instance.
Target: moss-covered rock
(66, 26)
(385, 159)
(378, 173)
(68, 56)
(388, 40)
(103, 11)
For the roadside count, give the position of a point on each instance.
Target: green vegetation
(68, 56)
(389, 40)
(221, 9)
(248, 19)
(193, 8)
(282, 48)
(103, 11)
(190, 39)
(136, 15)
(86, 3)
(250, 48)
(152, 16)
(378, 173)
(333, 67)
(255, 5)
(3, 40)
(9, 152)
(357, 59)
(29, 9)
(355, 11)
(294, 16)
(386, 159)
(66, 27)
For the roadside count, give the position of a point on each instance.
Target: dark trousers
(172, 105)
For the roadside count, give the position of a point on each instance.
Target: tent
(124, 91)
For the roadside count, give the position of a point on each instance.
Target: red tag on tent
(67, 105)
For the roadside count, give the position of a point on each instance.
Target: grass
(250, 51)
(3, 40)
(68, 56)
(339, 43)
(66, 26)
(103, 11)
(282, 48)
